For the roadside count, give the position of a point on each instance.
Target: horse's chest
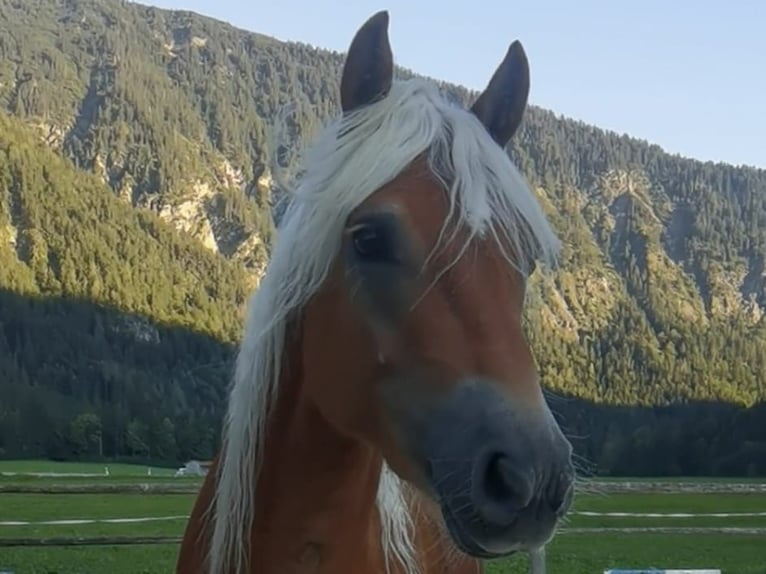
(300, 553)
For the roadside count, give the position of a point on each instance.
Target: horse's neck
(315, 507)
(315, 497)
(315, 503)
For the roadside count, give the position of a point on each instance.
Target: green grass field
(572, 552)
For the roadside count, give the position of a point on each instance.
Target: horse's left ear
(500, 107)
(369, 67)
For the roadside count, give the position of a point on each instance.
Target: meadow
(701, 537)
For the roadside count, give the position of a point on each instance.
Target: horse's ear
(500, 107)
(369, 67)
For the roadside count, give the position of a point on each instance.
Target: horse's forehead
(417, 196)
(421, 201)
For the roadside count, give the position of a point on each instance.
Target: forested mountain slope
(102, 305)
(659, 301)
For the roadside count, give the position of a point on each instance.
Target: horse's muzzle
(502, 474)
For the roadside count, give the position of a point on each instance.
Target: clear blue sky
(689, 75)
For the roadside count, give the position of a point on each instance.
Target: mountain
(103, 307)
(135, 214)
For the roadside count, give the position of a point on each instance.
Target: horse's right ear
(369, 67)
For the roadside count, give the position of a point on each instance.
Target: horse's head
(425, 296)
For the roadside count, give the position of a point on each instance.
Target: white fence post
(537, 561)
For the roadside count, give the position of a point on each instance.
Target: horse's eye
(373, 243)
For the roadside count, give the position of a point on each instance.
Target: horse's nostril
(497, 480)
(500, 490)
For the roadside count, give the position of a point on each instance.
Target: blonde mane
(351, 158)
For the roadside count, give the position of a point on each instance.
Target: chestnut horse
(386, 414)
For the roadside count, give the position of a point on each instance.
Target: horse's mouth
(467, 542)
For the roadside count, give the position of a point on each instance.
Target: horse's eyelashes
(375, 240)
(373, 244)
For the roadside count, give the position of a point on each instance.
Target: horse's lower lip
(465, 542)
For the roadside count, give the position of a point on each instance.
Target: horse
(386, 413)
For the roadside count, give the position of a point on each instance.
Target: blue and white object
(663, 571)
